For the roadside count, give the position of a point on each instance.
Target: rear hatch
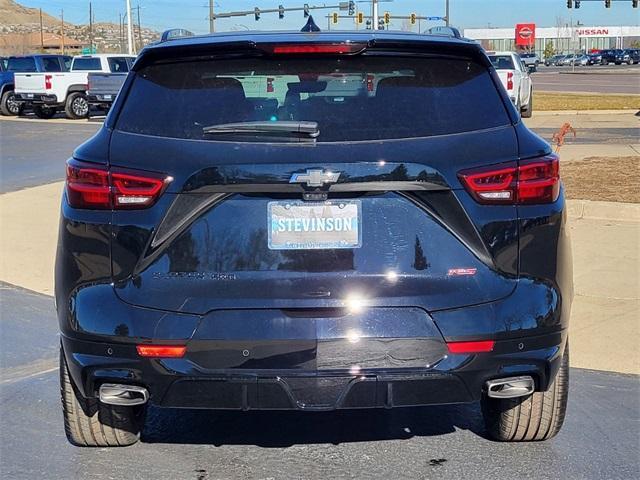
(339, 187)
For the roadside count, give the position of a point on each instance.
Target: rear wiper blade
(306, 129)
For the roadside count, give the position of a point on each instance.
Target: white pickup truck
(514, 75)
(48, 92)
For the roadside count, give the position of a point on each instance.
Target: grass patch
(577, 101)
(611, 179)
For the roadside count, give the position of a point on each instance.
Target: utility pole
(121, 33)
(446, 12)
(129, 29)
(41, 34)
(62, 18)
(90, 29)
(139, 29)
(212, 27)
(374, 13)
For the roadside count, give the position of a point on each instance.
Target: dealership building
(565, 39)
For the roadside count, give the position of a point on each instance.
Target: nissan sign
(525, 34)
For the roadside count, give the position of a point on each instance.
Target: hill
(12, 13)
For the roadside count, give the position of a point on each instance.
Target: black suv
(313, 221)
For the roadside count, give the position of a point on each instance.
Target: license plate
(298, 225)
(107, 97)
(29, 95)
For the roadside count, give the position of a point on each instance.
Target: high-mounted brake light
(509, 80)
(337, 48)
(95, 187)
(159, 351)
(535, 181)
(47, 82)
(471, 347)
(370, 85)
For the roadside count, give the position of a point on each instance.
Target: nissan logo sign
(525, 32)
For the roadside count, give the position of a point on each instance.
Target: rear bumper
(273, 359)
(101, 98)
(37, 98)
(181, 383)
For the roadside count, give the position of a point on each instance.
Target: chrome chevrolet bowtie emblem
(315, 178)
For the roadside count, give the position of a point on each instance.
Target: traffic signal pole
(374, 13)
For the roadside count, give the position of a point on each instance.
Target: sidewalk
(605, 322)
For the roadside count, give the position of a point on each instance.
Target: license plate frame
(307, 234)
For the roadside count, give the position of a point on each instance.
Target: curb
(597, 210)
(626, 71)
(626, 111)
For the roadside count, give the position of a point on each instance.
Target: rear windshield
(17, 64)
(86, 64)
(502, 62)
(118, 64)
(351, 98)
(51, 64)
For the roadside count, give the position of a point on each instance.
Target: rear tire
(527, 111)
(534, 418)
(9, 106)
(45, 112)
(89, 423)
(76, 106)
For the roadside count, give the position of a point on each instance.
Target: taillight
(98, 188)
(509, 80)
(534, 181)
(47, 82)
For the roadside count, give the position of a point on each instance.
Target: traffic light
(387, 17)
(280, 12)
(634, 3)
(256, 13)
(352, 7)
(334, 17)
(577, 4)
(360, 17)
(607, 3)
(412, 18)
(569, 3)
(305, 9)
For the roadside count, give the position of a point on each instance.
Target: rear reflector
(166, 351)
(471, 347)
(96, 187)
(535, 181)
(339, 48)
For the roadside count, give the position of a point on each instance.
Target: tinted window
(118, 64)
(86, 64)
(502, 62)
(51, 64)
(21, 64)
(351, 98)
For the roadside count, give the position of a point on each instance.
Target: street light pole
(129, 30)
(374, 13)
(446, 12)
(212, 27)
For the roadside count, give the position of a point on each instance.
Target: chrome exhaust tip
(510, 387)
(126, 395)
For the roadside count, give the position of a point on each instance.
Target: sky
(193, 14)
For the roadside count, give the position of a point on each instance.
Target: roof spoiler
(174, 33)
(445, 31)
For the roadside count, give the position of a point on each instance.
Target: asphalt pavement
(34, 152)
(599, 439)
(596, 79)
